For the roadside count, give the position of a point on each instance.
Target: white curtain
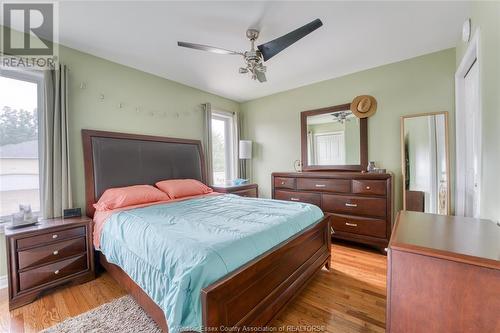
(56, 181)
(207, 140)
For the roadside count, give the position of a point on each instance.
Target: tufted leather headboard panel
(118, 159)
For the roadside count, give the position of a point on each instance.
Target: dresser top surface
(455, 238)
(334, 174)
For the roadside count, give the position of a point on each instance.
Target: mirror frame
(363, 141)
(447, 152)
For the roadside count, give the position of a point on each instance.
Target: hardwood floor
(348, 298)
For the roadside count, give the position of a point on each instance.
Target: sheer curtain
(207, 140)
(56, 181)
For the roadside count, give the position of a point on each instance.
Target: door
(472, 145)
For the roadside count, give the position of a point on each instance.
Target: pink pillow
(180, 188)
(119, 197)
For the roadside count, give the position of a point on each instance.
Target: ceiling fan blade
(261, 76)
(272, 48)
(207, 48)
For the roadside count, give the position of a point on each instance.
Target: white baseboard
(3, 282)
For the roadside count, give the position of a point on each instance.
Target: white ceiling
(355, 36)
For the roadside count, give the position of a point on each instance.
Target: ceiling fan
(255, 58)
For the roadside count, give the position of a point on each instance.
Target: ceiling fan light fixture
(255, 57)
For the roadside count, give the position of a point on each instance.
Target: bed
(250, 294)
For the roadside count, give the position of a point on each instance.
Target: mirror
(425, 163)
(333, 138)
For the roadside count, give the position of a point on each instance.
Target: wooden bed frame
(252, 295)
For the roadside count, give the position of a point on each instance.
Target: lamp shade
(245, 149)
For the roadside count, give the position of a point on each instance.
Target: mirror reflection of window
(426, 169)
(333, 139)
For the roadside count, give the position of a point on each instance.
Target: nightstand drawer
(49, 253)
(44, 274)
(50, 237)
(251, 193)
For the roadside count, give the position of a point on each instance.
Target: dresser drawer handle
(56, 272)
(351, 205)
(295, 199)
(55, 252)
(320, 185)
(282, 183)
(351, 224)
(368, 188)
(54, 236)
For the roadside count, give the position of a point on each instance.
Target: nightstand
(52, 253)
(245, 190)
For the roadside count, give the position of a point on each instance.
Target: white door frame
(471, 54)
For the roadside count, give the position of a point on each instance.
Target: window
(223, 147)
(20, 102)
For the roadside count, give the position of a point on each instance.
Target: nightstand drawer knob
(56, 272)
(282, 183)
(54, 236)
(55, 252)
(368, 188)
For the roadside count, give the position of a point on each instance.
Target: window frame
(230, 149)
(37, 78)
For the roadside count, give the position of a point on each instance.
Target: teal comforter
(174, 250)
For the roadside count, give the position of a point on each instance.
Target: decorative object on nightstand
(245, 153)
(52, 253)
(246, 190)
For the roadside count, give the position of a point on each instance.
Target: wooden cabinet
(52, 253)
(443, 274)
(360, 203)
(245, 190)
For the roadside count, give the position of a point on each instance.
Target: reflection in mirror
(333, 139)
(425, 163)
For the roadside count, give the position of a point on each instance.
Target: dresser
(52, 253)
(443, 274)
(360, 204)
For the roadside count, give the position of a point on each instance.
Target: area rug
(122, 315)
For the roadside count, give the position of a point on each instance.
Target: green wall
(422, 84)
(134, 89)
(485, 15)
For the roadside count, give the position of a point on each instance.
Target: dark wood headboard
(119, 159)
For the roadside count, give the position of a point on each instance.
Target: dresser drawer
(359, 225)
(49, 253)
(374, 187)
(328, 185)
(312, 198)
(50, 237)
(284, 182)
(44, 274)
(354, 205)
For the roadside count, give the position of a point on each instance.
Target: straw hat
(364, 106)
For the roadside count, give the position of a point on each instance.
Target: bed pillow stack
(180, 188)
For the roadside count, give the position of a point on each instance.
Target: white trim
(3, 282)
(471, 54)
